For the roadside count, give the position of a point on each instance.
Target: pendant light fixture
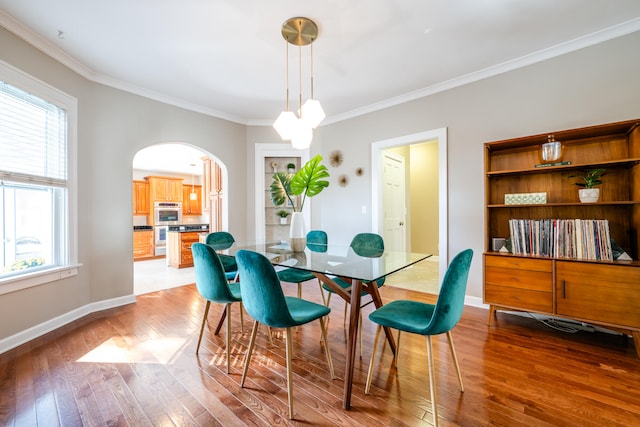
(299, 129)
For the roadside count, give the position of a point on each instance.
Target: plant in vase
(283, 216)
(588, 180)
(309, 181)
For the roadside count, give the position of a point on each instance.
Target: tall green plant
(309, 181)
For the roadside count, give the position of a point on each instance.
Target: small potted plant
(291, 167)
(588, 180)
(283, 216)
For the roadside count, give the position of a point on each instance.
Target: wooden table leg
(377, 301)
(354, 317)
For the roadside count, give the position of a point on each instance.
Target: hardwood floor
(136, 365)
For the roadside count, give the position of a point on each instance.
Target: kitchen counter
(189, 228)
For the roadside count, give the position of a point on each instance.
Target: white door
(394, 215)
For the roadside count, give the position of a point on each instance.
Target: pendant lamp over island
(299, 129)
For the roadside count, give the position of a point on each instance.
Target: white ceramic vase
(589, 195)
(297, 233)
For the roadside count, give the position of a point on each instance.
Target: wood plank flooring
(136, 366)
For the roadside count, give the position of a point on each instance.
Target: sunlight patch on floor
(117, 350)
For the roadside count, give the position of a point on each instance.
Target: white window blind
(32, 139)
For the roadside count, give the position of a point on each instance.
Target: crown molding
(58, 54)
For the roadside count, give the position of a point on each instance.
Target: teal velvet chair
(316, 241)
(265, 301)
(368, 245)
(213, 285)
(220, 240)
(428, 319)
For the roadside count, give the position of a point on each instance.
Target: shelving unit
(274, 230)
(606, 293)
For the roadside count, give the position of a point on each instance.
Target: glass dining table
(362, 269)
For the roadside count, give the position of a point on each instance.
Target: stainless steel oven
(165, 214)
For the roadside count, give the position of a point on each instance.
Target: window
(37, 196)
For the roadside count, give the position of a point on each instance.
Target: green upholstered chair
(265, 301)
(213, 285)
(220, 240)
(368, 245)
(428, 319)
(316, 241)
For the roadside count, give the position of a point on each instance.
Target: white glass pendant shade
(193, 196)
(285, 124)
(302, 136)
(312, 113)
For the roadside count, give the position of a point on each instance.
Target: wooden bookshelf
(605, 293)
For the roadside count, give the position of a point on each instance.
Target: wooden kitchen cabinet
(143, 244)
(179, 248)
(191, 207)
(165, 189)
(601, 292)
(141, 198)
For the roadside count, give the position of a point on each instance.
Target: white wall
(113, 126)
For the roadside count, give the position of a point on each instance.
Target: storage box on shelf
(605, 293)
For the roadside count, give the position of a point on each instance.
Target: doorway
(439, 224)
(194, 168)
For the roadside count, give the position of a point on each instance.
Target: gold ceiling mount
(300, 31)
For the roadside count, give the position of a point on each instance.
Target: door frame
(377, 148)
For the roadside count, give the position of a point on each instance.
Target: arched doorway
(182, 185)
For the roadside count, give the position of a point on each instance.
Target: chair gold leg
(204, 320)
(324, 300)
(360, 332)
(228, 337)
(249, 351)
(289, 376)
(241, 319)
(326, 347)
(328, 300)
(395, 356)
(455, 360)
(346, 304)
(372, 362)
(432, 382)
(299, 290)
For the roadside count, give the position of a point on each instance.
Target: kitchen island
(179, 241)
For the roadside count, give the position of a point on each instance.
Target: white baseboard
(22, 337)
(475, 302)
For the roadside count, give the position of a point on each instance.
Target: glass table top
(337, 260)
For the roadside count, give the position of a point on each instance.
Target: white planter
(589, 195)
(297, 233)
(283, 221)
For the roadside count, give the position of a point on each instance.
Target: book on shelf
(587, 239)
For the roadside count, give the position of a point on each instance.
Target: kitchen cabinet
(599, 291)
(165, 189)
(191, 207)
(141, 198)
(179, 248)
(143, 244)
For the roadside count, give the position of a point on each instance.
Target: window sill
(38, 278)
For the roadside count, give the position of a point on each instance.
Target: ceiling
(227, 58)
